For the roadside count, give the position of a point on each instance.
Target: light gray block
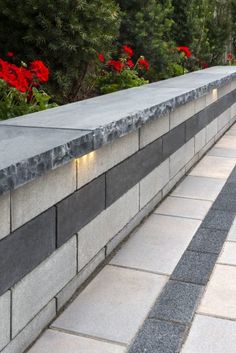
(4, 215)
(173, 182)
(67, 292)
(36, 289)
(106, 225)
(113, 305)
(206, 147)
(181, 114)
(212, 97)
(199, 104)
(37, 196)
(222, 91)
(53, 341)
(211, 130)
(5, 312)
(23, 340)
(191, 163)
(97, 162)
(180, 158)
(223, 119)
(114, 242)
(200, 140)
(154, 129)
(154, 182)
(233, 110)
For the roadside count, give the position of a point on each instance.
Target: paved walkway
(170, 288)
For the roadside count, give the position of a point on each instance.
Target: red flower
(10, 54)
(101, 57)
(143, 64)
(117, 65)
(128, 50)
(230, 57)
(185, 50)
(205, 65)
(41, 72)
(130, 63)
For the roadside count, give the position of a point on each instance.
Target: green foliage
(14, 103)
(64, 33)
(114, 81)
(146, 26)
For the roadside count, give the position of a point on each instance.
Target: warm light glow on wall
(86, 158)
(214, 94)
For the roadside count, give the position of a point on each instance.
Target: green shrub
(64, 33)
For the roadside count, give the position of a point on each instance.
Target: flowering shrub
(20, 88)
(122, 73)
(230, 58)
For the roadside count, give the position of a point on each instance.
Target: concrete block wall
(58, 228)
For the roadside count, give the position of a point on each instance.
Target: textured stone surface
(97, 162)
(158, 244)
(220, 296)
(67, 292)
(111, 296)
(159, 337)
(177, 302)
(211, 335)
(36, 289)
(218, 219)
(194, 267)
(183, 207)
(39, 195)
(4, 215)
(26, 248)
(153, 130)
(22, 341)
(153, 183)
(199, 188)
(208, 240)
(106, 225)
(60, 342)
(79, 209)
(128, 173)
(5, 311)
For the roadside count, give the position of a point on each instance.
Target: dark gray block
(177, 302)
(26, 248)
(194, 267)
(218, 219)
(196, 124)
(173, 140)
(124, 176)
(80, 208)
(159, 337)
(208, 240)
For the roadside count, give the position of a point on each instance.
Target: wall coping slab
(33, 144)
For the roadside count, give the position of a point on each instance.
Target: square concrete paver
(220, 296)
(232, 232)
(183, 207)
(199, 188)
(59, 342)
(226, 141)
(211, 335)
(223, 152)
(114, 305)
(158, 244)
(214, 167)
(228, 255)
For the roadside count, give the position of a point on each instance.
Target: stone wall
(59, 223)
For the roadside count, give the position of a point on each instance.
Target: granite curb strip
(165, 329)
